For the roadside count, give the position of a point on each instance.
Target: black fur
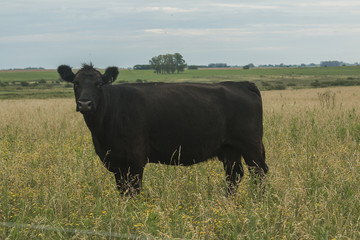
(176, 124)
(110, 74)
(66, 73)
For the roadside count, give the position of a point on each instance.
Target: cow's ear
(110, 75)
(66, 73)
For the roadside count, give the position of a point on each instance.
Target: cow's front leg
(128, 167)
(128, 181)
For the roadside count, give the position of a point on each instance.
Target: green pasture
(46, 84)
(207, 75)
(13, 76)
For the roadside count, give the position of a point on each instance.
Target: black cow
(169, 123)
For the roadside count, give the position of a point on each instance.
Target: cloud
(203, 29)
(256, 30)
(336, 4)
(326, 9)
(180, 32)
(39, 38)
(268, 49)
(307, 7)
(169, 9)
(197, 31)
(244, 6)
(205, 34)
(70, 37)
(308, 29)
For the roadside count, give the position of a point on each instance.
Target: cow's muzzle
(84, 106)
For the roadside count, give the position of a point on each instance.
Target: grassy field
(50, 176)
(46, 83)
(206, 75)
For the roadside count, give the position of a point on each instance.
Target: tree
(169, 63)
(180, 63)
(155, 63)
(250, 65)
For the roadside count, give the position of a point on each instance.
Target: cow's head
(88, 83)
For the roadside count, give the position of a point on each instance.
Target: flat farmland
(53, 186)
(46, 83)
(206, 75)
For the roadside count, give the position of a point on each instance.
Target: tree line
(168, 63)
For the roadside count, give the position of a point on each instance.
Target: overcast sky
(46, 33)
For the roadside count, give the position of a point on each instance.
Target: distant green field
(206, 75)
(25, 84)
(10, 76)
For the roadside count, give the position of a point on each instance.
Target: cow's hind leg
(254, 155)
(231, 159)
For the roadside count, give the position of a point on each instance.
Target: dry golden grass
(50, 175)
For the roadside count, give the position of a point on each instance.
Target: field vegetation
(50, 176)
(46, 83)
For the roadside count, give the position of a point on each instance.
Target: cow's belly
(185, 158)
(185, 149)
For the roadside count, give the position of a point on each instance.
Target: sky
(47, 33)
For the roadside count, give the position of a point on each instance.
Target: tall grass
(50, 175)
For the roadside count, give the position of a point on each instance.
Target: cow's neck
(95, 123)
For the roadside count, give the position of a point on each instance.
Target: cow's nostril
(84, 106)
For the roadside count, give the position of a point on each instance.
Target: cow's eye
(98, 84)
